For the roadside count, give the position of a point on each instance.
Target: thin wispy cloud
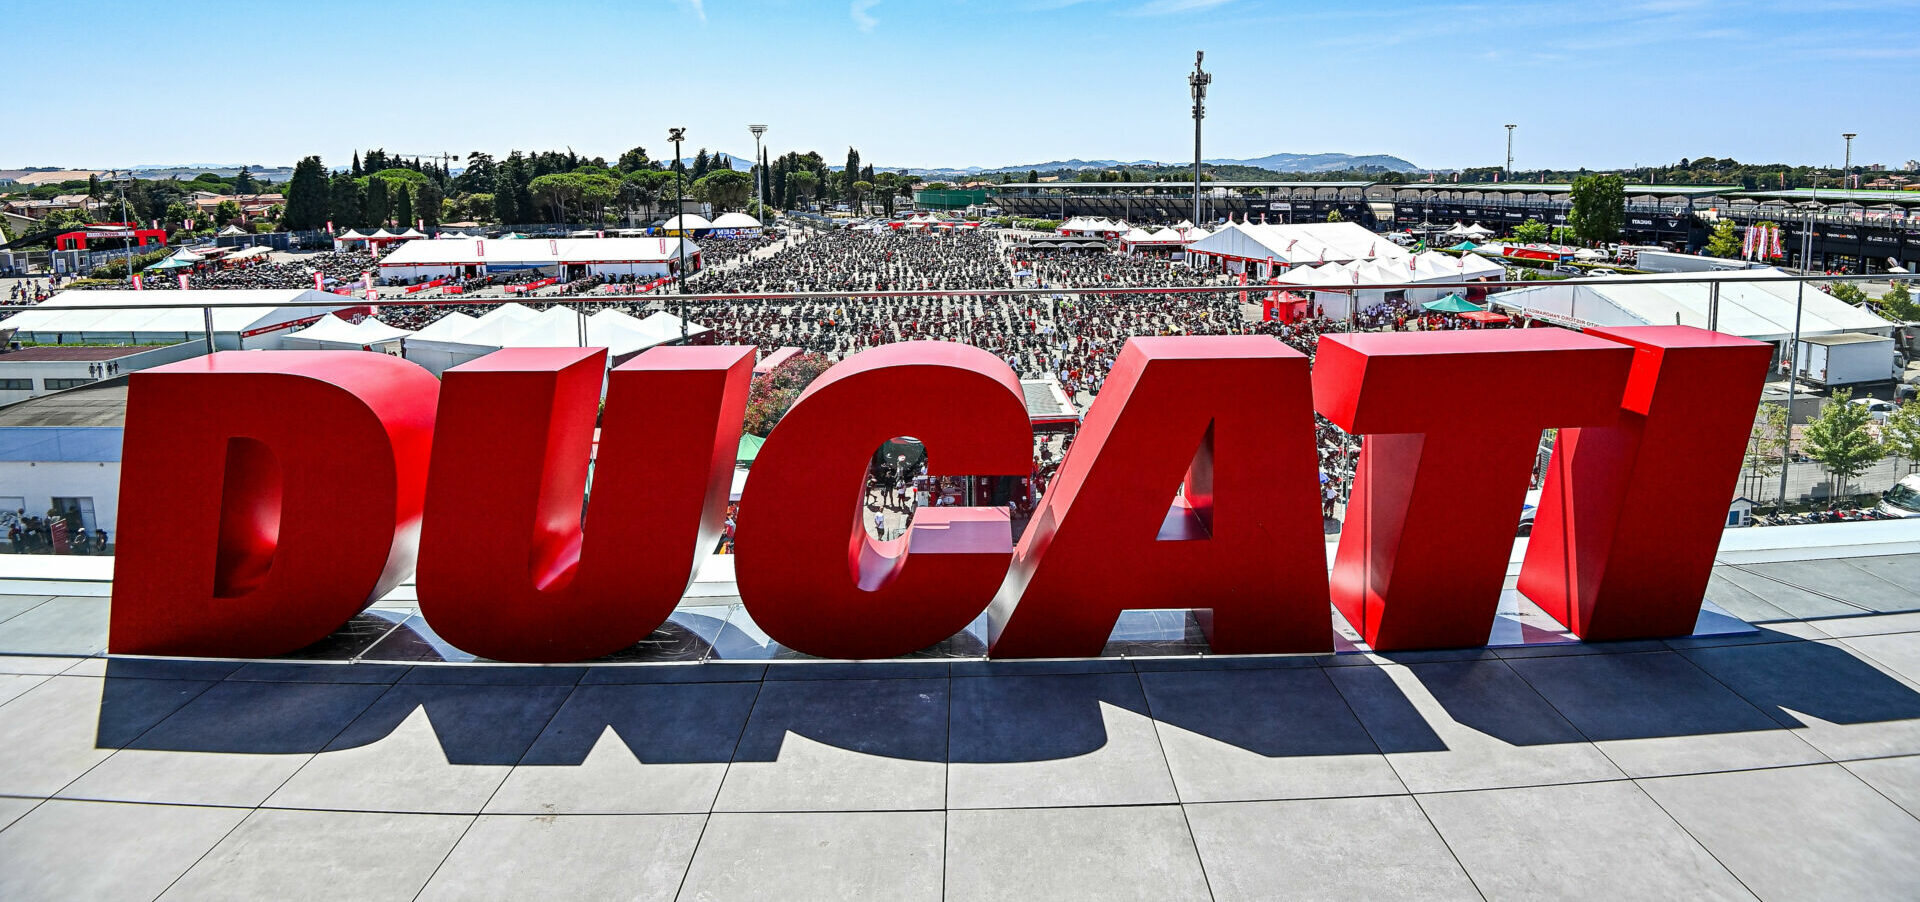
(1171, 7)
(862, 19)
(699, 8)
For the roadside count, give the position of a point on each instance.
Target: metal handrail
(354, 301)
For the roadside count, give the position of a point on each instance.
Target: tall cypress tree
(852, 173)
(376, 202)
(356, 172)
(402, 205)
(307, 195)
(343, 201)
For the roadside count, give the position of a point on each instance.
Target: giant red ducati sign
(268, 497)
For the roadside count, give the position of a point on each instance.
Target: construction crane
(443, 156)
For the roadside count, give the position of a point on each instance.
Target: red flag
(138, 285)
(316, 281)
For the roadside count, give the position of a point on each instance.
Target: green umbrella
(749, 448)
(1463, 246)
(1452, 303)
(172, 263)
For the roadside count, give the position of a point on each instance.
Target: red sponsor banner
(453, 289)
(423, 286)
(532, 286)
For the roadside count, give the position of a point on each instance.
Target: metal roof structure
(1188, 185)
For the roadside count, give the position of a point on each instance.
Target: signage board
(240, 469)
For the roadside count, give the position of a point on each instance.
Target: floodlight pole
(1509, 170)
(676, 135)
(1197, 84)
(759, 172)
(1846, 169)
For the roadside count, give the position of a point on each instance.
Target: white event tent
(1763, 311)
(449, 342)
(242, 317)
(1377, 281)
(331, 333)
(1264, 247)
(569, 258)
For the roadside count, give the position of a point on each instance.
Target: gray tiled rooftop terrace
(1780, 763)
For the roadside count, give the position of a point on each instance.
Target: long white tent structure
(241, 316)
(1763, 311)
(1263, 248)
(1377, 281)
(451, 341)
(331, 333)
(568, 258)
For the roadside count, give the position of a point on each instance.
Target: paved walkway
(1782, 764)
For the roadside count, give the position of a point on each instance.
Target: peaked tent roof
(735, 221)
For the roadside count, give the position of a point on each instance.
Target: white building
(565, 258)
(37, 370)
(242, 318)
(62, 452)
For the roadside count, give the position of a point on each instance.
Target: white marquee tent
(568, 257)
(447, 342)
(1236, 245)
(241, 316)
(331, 333)
(1763, 311)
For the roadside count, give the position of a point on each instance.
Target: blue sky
(959, 82)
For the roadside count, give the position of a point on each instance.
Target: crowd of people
(39, 535)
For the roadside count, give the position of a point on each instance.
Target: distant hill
(1278, 162)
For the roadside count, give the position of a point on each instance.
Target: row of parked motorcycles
(1830, 515)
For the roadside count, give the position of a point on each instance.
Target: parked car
(1532, 507)
(1903, 500)
(1876, 408)
(1602, 271)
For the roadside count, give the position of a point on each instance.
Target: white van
(1903, 500)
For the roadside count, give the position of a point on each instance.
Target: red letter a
(1243, 541)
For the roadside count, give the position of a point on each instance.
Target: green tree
(1564, 235)
(1725, 240)
(345, 202)
(634, 159)
(93, 185)
(1840, 440)
(1533, 231)
(851, 173)
(427, 198)
(701, 163)
(555, 191)
(243, 183)
(1599, 202)
(402, 205)
(1033, 175)
(308, 195)
(226, 212)
(1766, 446)
(1847, 291)
(805, 186)
(375, 203)
(1897, 304)
(1902, 432)
(725, 189)
(860, 189)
